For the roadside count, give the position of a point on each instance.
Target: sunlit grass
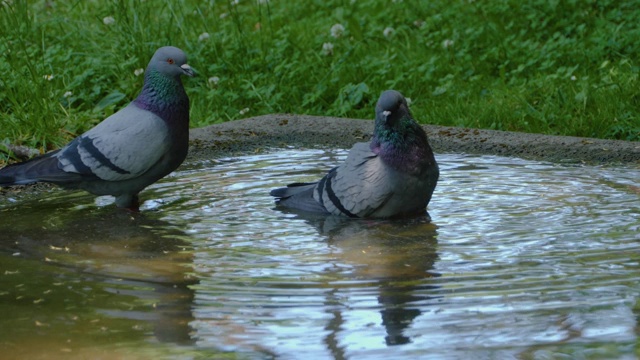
(551, 67)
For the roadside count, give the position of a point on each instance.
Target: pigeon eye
(170, 61)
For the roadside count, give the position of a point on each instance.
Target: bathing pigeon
(130, 149)
(392, 176)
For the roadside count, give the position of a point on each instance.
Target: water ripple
(521, 258)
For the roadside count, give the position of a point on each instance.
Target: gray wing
(358, 187)
(123, 146)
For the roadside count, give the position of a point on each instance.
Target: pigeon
(127, 151)
(393, 175)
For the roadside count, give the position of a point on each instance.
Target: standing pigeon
(130, 149)
(392, 176)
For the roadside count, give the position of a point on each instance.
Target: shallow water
(522, 259)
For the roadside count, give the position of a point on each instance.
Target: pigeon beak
(187, 70)
(386, 113)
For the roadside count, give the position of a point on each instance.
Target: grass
(554, 67)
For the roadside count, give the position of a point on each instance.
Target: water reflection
(396, 257)
(79, 276)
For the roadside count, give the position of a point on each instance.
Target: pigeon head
(170, 61)
(394, 126)
(392, 107)
(163, 93)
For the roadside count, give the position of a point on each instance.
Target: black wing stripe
(73, 156)
(87, 144)
(320, 190)
(336, 202)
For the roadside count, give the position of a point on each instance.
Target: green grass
(554, 67)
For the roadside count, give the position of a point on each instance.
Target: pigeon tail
(298, 196)
(292, 189)
(41, 168)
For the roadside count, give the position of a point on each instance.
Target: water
(522, 259)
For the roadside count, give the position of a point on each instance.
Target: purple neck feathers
(403, 146)
(165, 97)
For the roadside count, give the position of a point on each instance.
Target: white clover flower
(48, 77)
(337, 30)
(138, 72)
(573, 78)
(388, 32)
(224, 15)
(447, 43)
(235, 2)
(327, 48)
(243, 111)
(67, 94)
(408, 101)
(214, 80)
(108, 20)
(204, 36)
